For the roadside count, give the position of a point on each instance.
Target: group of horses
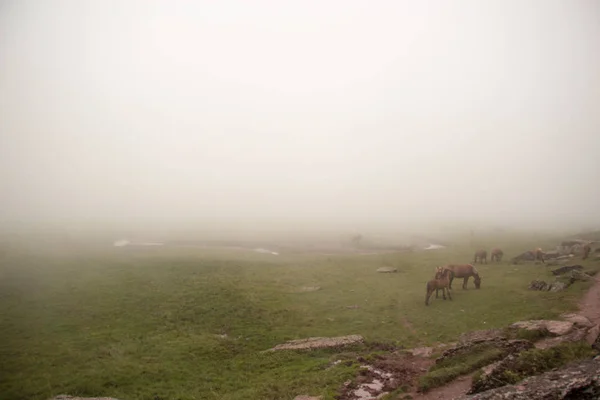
(445, 275)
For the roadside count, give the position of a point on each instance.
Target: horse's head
(477, 280)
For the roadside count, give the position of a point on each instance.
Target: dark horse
(480, 255)
(496, 255)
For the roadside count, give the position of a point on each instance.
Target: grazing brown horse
(496, 255)
(464, 271)
(480, 255)
(441, 281)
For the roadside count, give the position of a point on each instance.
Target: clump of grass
(536, 361)
(451, 368)
(592, 271)
(526, 334)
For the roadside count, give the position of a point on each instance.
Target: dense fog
(299, 114)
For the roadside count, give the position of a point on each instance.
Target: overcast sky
(183, 113)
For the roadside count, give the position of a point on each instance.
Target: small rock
(558, 286)
(422, 352)
(538, 285)
(387, 269)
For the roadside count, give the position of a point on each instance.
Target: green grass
(451, 368)
(86, 319)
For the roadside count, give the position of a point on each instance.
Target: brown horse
(464, 271)
(441, 281)
(480, 255)
(496, 255)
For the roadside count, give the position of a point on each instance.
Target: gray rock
(579, 320)
(557, 328)
(558, 286)
(538, 285)
(387, 270)
(575, 381)
(575, 336)
(580, 275)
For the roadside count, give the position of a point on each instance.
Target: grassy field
(188, 323)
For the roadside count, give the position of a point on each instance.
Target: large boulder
(579, 320)
(575, 381)
(556, 328)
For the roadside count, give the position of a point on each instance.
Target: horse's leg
(449, 295)
(427, 296)
(451, 278)
(444, 293)
(465, 282)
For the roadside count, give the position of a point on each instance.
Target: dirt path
(453, 390)
(590, 303)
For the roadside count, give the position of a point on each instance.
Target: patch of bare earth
(452, 390)
(384, 375)
(590, 304)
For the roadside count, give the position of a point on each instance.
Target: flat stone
(318, 343)
(557, 328)
(575, 336)
(387, 270)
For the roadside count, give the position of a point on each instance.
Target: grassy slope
(143, 323)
